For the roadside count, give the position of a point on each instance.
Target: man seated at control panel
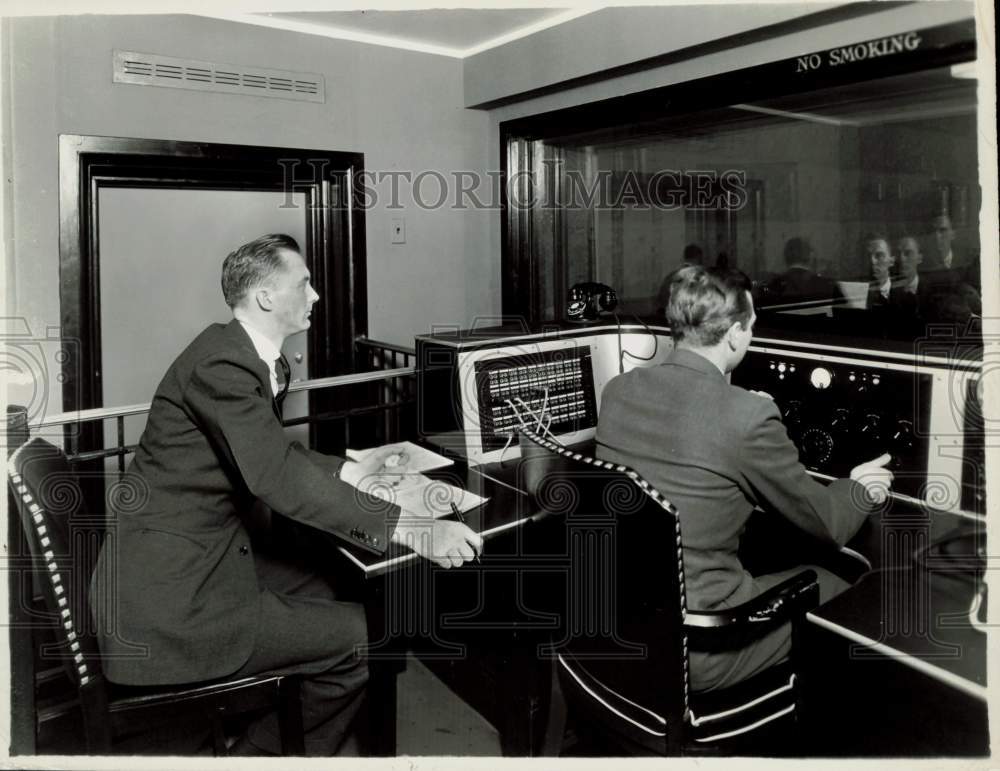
(717, 451)
(179, 580)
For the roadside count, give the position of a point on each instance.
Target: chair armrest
(734, 627)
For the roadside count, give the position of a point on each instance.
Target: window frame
(940, 46)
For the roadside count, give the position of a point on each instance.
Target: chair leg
(219, 748)
(97, 731)
(293, 740)
(555, 724)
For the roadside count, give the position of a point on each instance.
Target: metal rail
(394, 393)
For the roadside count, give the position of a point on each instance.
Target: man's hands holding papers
(381, 463)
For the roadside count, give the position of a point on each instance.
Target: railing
(393, 393)
(376, 355)
(384, 355)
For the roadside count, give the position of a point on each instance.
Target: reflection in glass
(854, 209)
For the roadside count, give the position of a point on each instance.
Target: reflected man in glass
(881, 261)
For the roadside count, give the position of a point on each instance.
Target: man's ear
(731, 335)
(262, 296)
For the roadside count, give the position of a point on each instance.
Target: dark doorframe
(334, 248)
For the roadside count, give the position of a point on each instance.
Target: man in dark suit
(881, 260)
(800, 283)
(945, 257)
(716, 451)
(180, 593)
(911, 298)
(928, 296)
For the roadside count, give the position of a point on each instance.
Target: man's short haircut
(797, 251)
(252, 264)
(693, 254)
(705, 302)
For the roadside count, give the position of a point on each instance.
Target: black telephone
(588, 299)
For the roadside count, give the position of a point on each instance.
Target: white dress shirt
(266, 350)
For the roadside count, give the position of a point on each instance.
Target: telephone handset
(588, 299)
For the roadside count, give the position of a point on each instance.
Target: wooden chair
(621, 662)
(64, 541)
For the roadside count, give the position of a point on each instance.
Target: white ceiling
(456, 32)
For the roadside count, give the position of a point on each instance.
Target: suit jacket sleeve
(769, 463)
(330, 463)
(233, 405)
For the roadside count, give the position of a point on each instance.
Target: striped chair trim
(653, 493)
(38, 515)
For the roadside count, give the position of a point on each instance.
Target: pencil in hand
(458, 515)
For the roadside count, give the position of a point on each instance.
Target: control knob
(792, 413)
(840, 421)
(792, 417)
(816, 447)
(871, 430)
(902, 442)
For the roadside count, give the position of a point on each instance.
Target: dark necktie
(282, 374)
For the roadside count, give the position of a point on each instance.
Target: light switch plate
(398, 230)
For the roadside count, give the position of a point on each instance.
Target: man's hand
(446, 542)
(389, 461)
(875, 477)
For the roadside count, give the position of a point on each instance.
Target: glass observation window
(853, 209)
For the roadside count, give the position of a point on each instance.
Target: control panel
(556, 383)
(474, 387)
(840, 414)
(841, 405)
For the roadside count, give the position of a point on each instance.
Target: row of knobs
(817, 442)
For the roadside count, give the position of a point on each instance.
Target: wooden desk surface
(920, 603)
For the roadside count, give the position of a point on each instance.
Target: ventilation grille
(153, 70)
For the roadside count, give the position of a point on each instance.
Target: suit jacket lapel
(243, 343)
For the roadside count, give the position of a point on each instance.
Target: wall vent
(169, 72)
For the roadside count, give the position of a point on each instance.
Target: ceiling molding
(337, 33)
(530, 29)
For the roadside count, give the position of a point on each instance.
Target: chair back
(64, 541)
(624, 605)
(17, 427)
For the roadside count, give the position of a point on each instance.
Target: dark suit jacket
(964, 269)
(716, 451)
(941, 297)
(798, 284)
(176, 573)
(875, 300)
